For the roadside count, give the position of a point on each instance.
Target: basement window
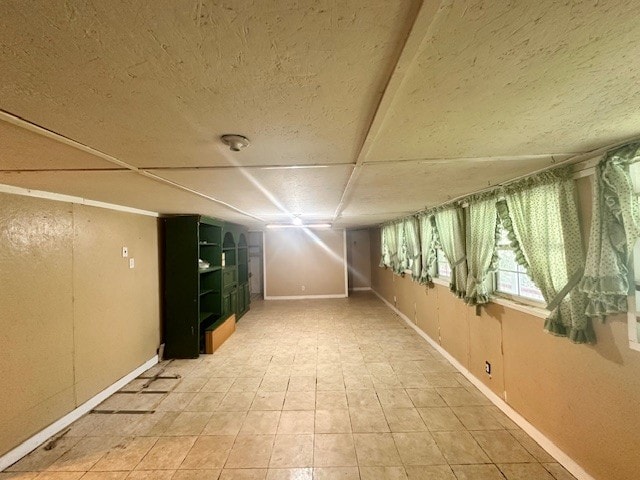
(443, 269)
(511, 279)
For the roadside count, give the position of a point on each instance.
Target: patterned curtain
(412, 242)
(541, 217)
(615, 227)
(481, 249)
(451, 236)
(389, 246)
(384, 249)
(427, 248)
(401, 248)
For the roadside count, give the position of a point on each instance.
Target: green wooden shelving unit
(198, 299)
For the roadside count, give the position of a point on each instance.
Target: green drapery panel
(481, 249)
(412, 242)
(615, 227)
(388, 245)
(542, 220)
(427, 248)
(384, 250)
(401, 256)
(451, 236)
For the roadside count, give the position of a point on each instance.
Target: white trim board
(59, 197)
(304, 297)
(26, 447)
(562, 458)
(360, 289)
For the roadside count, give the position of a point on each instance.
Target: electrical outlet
(132, 263)
(125, 252)
(487, 368)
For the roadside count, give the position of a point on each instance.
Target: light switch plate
(125, 252)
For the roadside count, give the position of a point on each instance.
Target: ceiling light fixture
(235, 142)
(311, 225)
(297, 221)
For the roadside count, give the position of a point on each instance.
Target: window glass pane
(444, 270)
(507, 282)
(528, 289)
(507, 260)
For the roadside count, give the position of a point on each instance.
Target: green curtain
(401, 256)
(615, 227)
(392, 245)
(541, 217)
(384, 252)
(389, 246)
(427, 248)
(451, 236)
(412, 242)
(481, 249)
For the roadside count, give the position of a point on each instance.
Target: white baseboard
(360, 289)
(304, 297)
(562, 458)
(42, 436)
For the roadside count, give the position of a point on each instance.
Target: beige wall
(74, 317)
(585, 399)
(359, 258)
(295, 258)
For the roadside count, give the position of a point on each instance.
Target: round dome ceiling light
(235, 142)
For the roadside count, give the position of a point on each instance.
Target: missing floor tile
(54, 441)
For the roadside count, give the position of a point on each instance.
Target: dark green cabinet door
(234, 302)
(180, 278)
(241, 303)
(247, 296)
(226, 304)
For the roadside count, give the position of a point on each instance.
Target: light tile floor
(323, 389)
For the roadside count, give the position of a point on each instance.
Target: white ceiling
(396, 105)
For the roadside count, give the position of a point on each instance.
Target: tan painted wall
(295, 258)
(359, 258)
(584, 398)
(74, 317)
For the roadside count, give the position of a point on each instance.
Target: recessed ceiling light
(297, 221)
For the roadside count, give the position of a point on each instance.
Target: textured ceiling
(402, 105)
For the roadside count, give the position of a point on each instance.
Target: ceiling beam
(422, 28)
(32, 127)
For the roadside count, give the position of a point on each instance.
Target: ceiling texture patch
(393, 105)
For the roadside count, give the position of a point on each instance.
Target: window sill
(505, 302)
(441, 281)
(521, 307)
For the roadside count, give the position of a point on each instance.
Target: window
(443, 269)
(511, 278)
